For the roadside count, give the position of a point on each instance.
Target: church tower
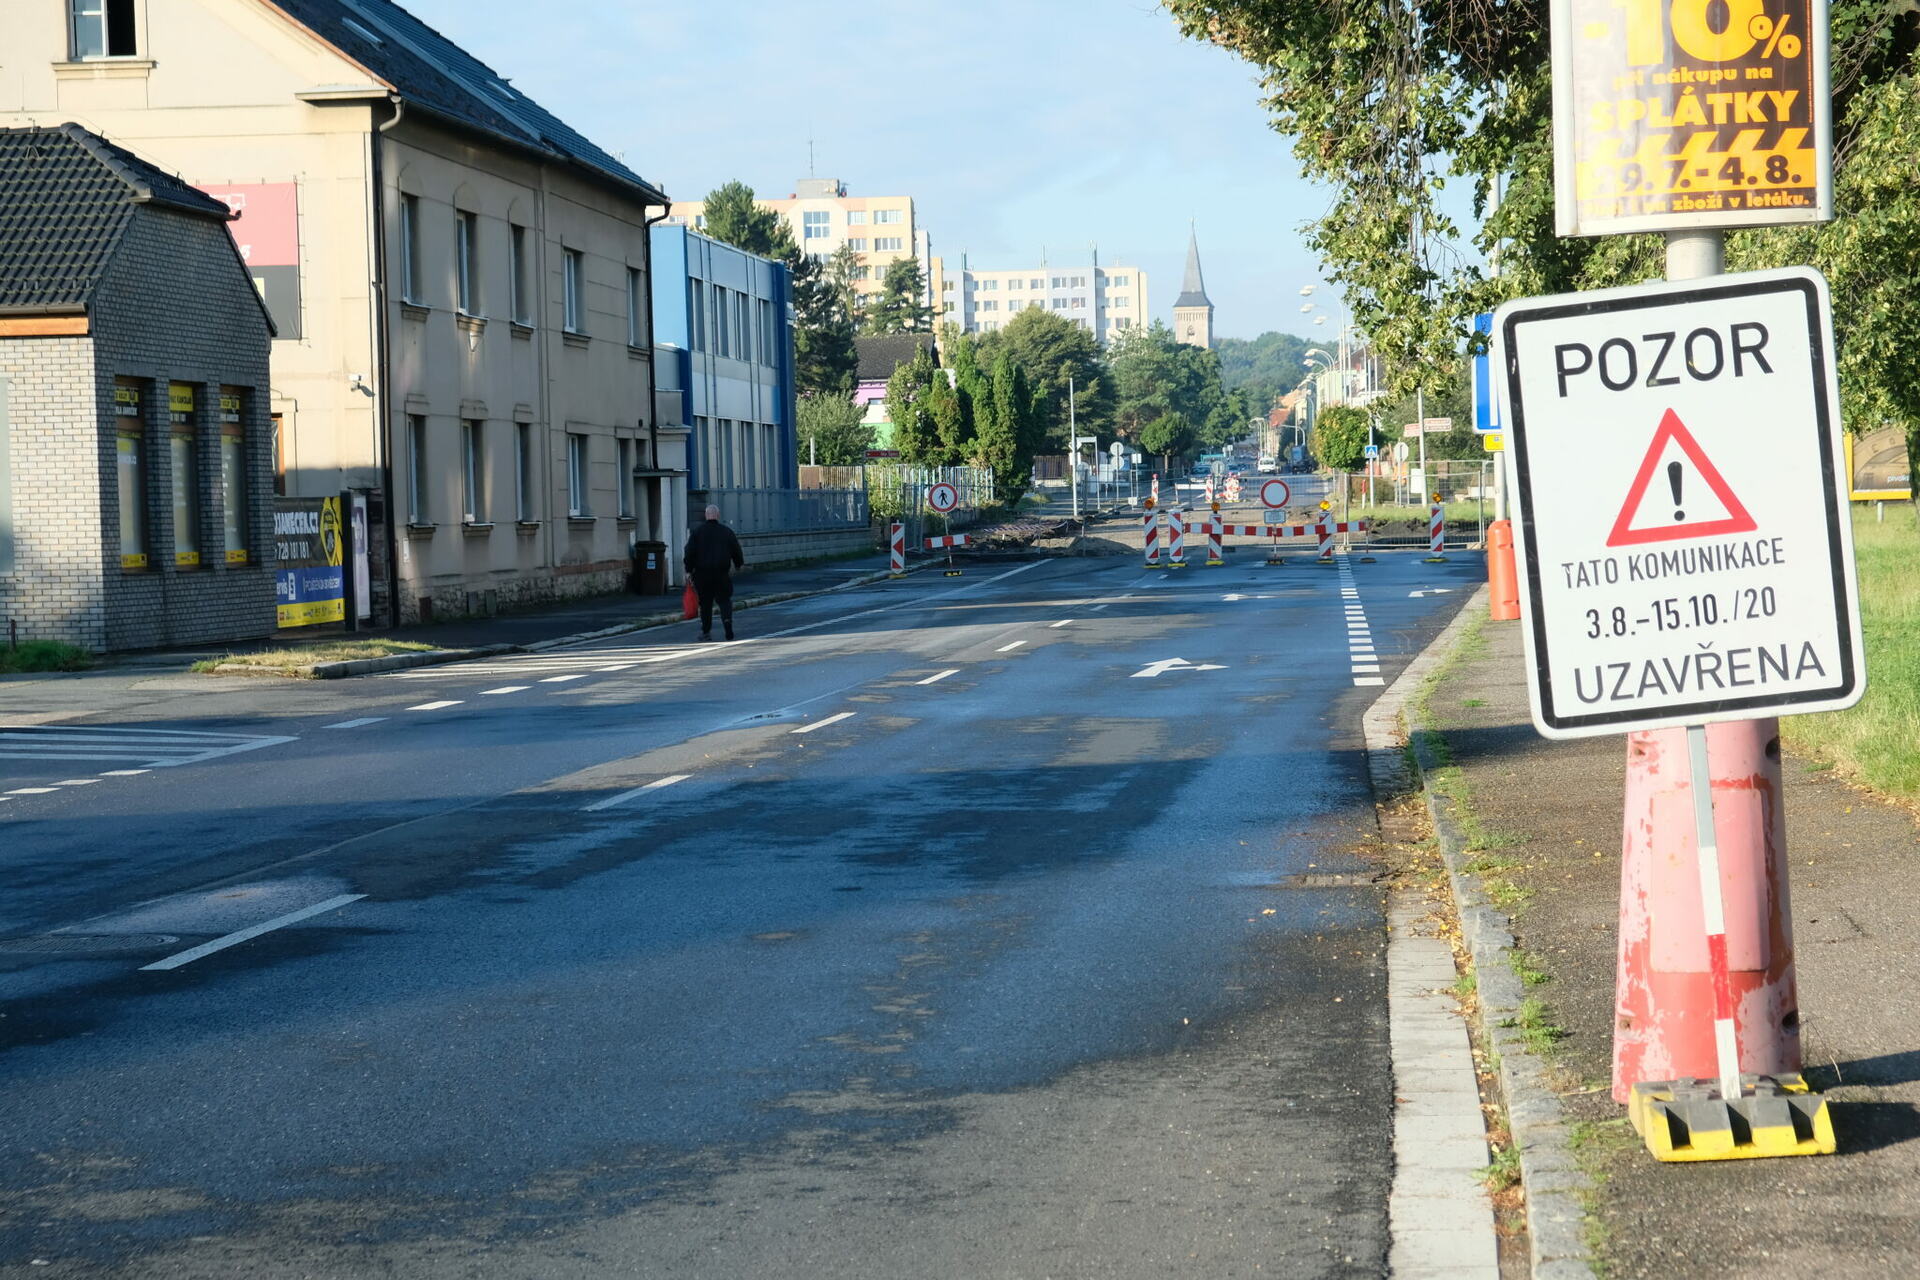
(1192, 312)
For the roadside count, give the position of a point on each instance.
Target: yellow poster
(1679, 114)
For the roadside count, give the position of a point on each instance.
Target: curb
(434, 657)
(1550, 1178)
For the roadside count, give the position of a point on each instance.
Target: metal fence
(1397, 512)
(789, 510)
(898, 492)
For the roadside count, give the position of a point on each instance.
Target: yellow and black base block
(1683, 1120)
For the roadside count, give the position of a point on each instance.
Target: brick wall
(176, 306)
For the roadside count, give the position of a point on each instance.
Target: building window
(952, 307)
(101, 28)
(130, 448)
(743, 326)
(577, 476)
(466, 250)
(1118, 281)
(523, 470)
(856, 217)
(1123, 323)
(279, 458)
(813, 226)
(473, 471)
(573, 282)
(1079, 282)
(1119, 300)
(723, 464)
(183, 458)
(863, 273)
(233, 473)
(990, 284)
(517, 275)
(624, 480)
(1059, 304)
(1059, 282)
(410, 248)
(722, 324)
(886, 244)
(886, 217)
(697, 337)
(989, 304)
(769, 335)
(946, 286)
(418, 511)
(858, 244)
(1078, 304)
(636, 309)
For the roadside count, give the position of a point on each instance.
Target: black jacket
(713, 550)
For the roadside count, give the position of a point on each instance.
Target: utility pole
(1073, 450)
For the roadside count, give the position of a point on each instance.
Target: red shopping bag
(689, 602)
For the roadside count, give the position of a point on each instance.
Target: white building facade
(1105, 300)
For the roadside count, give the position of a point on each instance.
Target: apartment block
(1105, 299)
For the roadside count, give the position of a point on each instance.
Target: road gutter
(1550, 1179)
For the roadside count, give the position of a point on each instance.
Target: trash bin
(650, 568)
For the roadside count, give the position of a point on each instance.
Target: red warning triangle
(1736, 519)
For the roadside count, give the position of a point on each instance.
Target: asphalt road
(938, 928)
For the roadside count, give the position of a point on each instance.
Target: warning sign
(1637, 524)
(1680, 503)
(1671, 114)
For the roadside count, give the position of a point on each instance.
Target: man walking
(713, 553)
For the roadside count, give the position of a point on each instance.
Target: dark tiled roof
(65, 198)
(430, 71)
(881, 354)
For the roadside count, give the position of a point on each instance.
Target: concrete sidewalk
(1551, 815)
(570, 618)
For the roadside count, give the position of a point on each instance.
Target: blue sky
(1016, 125)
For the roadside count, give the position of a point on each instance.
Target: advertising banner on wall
(267, 230)
(311, 579)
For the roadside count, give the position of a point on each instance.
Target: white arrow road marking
(1154, 669)
(1430, 591)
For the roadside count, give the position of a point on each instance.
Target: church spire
(1193, 310)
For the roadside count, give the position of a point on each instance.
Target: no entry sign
(1680, 510)
(1274, 494)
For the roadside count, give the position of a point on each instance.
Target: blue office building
(723, 316)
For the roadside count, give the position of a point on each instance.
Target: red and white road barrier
(897, 561)
(1156, 488)
(948, 541)
(1214, 556)
(1437, 528)
(1325, 534)
(1209, 489)
(1177, 538)
(1153, 540)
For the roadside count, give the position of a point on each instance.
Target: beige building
(1105, 300)
(823, 217)
(459, 281)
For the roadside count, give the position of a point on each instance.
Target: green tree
(1339, 437)
(1383, 104)
(1261, 369)
(915, 433)
(999, 419)
(1167, 435)
(832, 430)
(901, 305)
(1053, 350)
(950, 420)
(824, 357)
(733, 216)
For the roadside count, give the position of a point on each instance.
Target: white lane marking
(435, 706)
(221, 944)
(935, 679)
(1096, 607)
(1055, 626)
(1366, 668)
(578, 675)
(123, 773)
(505, 688)
(1008, 648)
(625, 796)
(1368, 680)
(355, 724)
(821, 724)
(618, 666)
(76, 782)
(32, 791)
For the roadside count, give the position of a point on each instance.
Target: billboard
(1878, 467)
(267, 232)
(310, 581)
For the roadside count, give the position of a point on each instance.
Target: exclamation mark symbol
(1674, 473)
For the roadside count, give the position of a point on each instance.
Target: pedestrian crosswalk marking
(150, 748)
(585, 662)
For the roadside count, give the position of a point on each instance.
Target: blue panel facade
(729, 313)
